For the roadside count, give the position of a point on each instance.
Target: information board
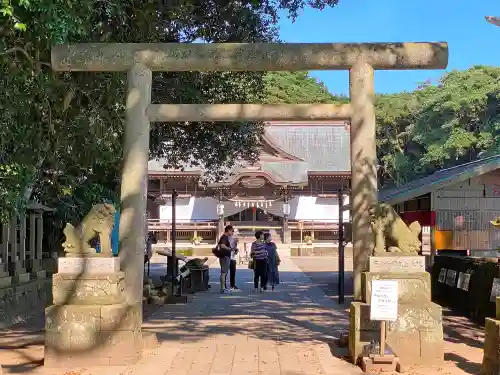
(463, 281)
(495, 290)
(384, 301)
(465, 284)
(442, 275)
(451, 275)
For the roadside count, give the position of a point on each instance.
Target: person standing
(225, 260)
(273, 261)
(258, 253)
(232, 266)
(148, 249)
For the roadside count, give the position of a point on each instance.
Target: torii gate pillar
(140, 60)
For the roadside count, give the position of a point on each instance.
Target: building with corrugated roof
(293, 189)
(454, 207)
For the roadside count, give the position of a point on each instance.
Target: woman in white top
(233, 240)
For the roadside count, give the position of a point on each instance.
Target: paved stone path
(463, 339)
(285, 332)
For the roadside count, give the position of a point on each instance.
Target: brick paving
(286, 332)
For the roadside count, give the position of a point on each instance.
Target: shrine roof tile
(325, 147)
(321, 147)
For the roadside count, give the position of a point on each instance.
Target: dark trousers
(260, 273)
(232, 273)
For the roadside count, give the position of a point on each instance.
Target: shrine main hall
(292, 190)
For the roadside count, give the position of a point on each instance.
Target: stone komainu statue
(391, 233)
(98, 222)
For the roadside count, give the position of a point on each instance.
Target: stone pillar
(35, 265)
(13, 240)
(16, 265)
(491, 355)
(39, 236)
(363, 167)
(419, 323)
(22, 237)
(32, 241)
(5, 279)
(89, 321)
(134, 183)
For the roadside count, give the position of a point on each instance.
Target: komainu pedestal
(89, 322)
(491, 356)
(416, 337)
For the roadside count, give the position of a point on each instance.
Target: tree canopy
(61, 133)
(439, 125)
(296, 88)
(453, 121)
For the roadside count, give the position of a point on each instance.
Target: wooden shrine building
(291, 190)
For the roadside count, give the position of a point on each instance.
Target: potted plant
(308, 240)
(196, 240)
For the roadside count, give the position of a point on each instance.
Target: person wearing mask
(258, 253)
(224, 245)
(273, 261)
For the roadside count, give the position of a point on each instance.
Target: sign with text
(384, 301)
(463, 281)
(451, 276)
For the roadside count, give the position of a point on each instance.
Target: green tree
(395, 115)
(296, 88)
(458, 119)
(440, 125)
(61, 133)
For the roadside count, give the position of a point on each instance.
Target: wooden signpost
(383, 308)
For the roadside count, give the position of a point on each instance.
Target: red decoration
(425, 218)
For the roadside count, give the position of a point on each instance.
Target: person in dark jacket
(273, 261)
(225, 261)
(258, 253)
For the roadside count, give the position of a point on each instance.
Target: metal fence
(472, 230)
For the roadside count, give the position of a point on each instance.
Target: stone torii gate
(140, 60)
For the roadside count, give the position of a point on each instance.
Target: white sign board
(495, 290)
(384, 303)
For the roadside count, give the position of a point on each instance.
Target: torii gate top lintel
(180, 57)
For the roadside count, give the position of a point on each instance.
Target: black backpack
(220, 253)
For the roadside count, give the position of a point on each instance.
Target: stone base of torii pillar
(89, 321)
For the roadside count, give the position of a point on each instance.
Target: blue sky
(472, 40)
